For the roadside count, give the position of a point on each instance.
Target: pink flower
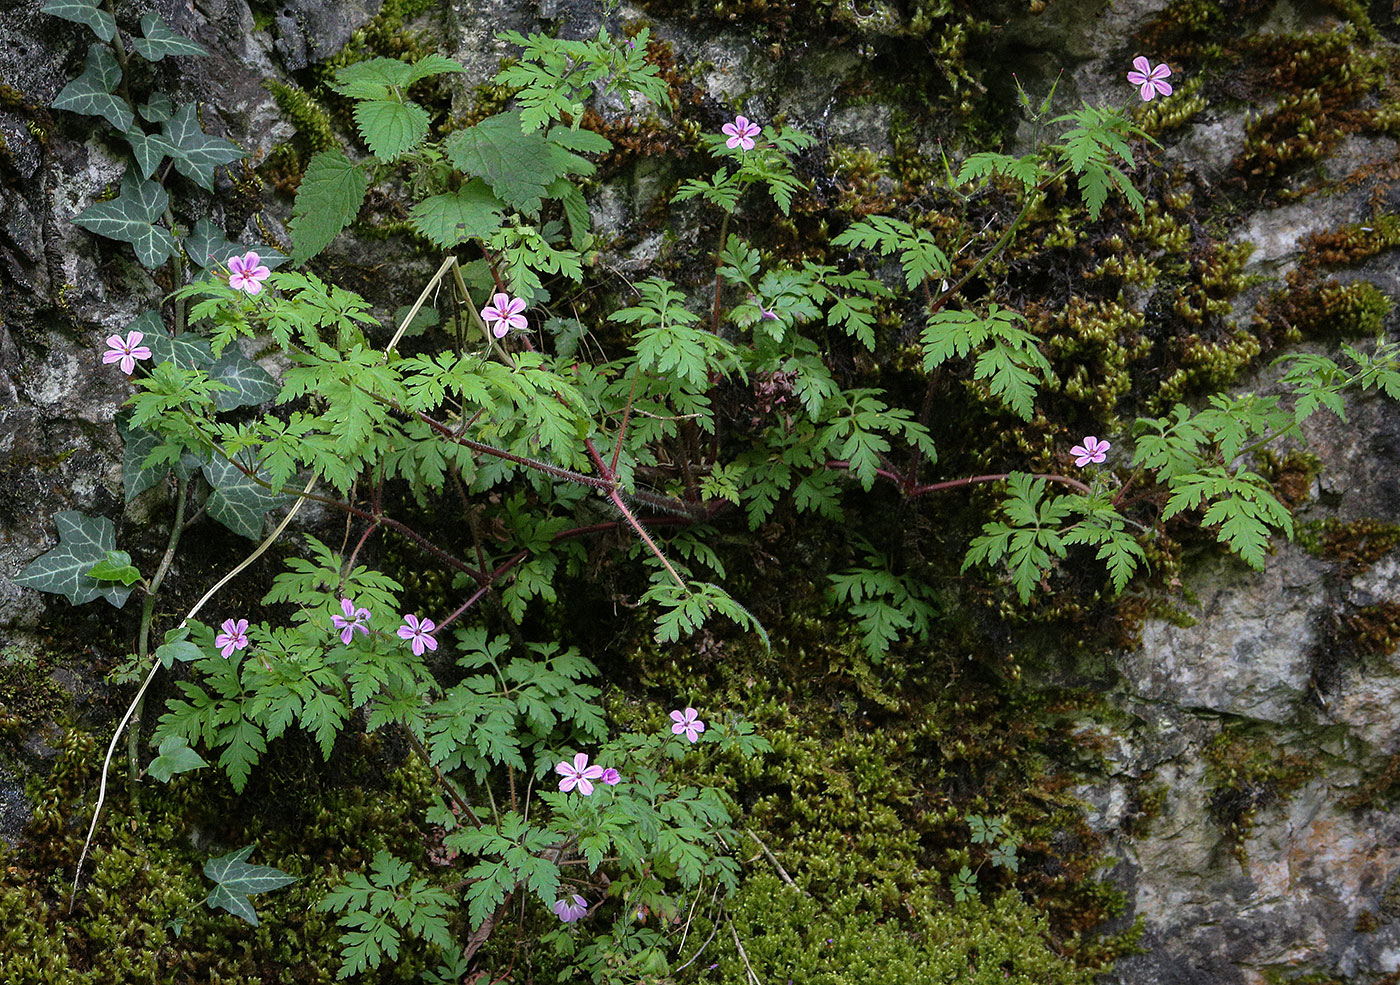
(1150, 79)
(505, 312)
(741, 133)
(127, 350)
(352, 620)
(233, 637)
(1093, 450)
(580, 775)
(688, 724)
(611, 777)
(418, 632)
(570, 911)
(244, 273)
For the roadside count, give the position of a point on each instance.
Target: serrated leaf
(175, 757)
(116, 566)
(181, 651)
(83, 541)
(238, 502)
(195, 152)
(160, 40)
(390, 127)
(373, 78)
(130, 218)
(92, 92)
(518, 166)
(89, 13)
(237, 881)
(251, 384)
(470, 212)
(331, 192)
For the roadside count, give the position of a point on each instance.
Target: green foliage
(93, 92)
(86, 12)
(919, 254)
(116, 566)
(1241, 503)
(1032, 538)
(520, 166)
(389, 122)
(175, 757)
(157, 40)
(237, 880)
(380, 910)
(1011, 363)
(194, 152)
(1090, 150)
(131, 218)
(331, 192)
(884, 604)
(83, 543)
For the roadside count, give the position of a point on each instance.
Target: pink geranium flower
(352, 620)
(611, 777)
(1150, 79)
(503, 314)
(127, 351)
(688, 724)
(578, 774)
(417, 631)
(233, 637)
(1093, 450)
(741, 133)
(245, 273)
(571, 908)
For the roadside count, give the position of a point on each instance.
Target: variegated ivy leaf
(238, 502)
(149, 149)
(187, 351)
(131, 216)
(207, 246)
(83, 542)
(92, 92)
(160, 41)
(238, 880)
(138, 444)
(86, 12)
(250, 382)
(195, 153)
(158, 110)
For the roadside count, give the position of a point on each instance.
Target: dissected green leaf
(331, 192)
(92, 92)
(83, 542)
(471, 212)
(130, 218)
(237, 881)
(195, 152)
(86, 12)
(160, 40)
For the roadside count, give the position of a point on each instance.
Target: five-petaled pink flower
(611, 777)
(1150, 79)
(503, 314)
(570, 908)
(233, 637)
(417, 631)
(1093, 450)
(688, 724)
(352, 620)
(579, 774)
(741, 133)
(246, 271)
(126, 350)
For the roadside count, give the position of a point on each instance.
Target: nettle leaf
(331, 192)
(471, 212)
(92, 92)
(130, 218)
(160, 41)
(83, 542)
(238, 502)
(251, 384)
(86, 12)
(390, 127)
(116, 566)
(175, 757)
(195, 152)
(237, 881)
(518, 166)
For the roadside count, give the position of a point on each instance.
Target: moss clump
(1355, 546)
(1355, 242)
(787, 935)
(1249, 771)
(1310, 307)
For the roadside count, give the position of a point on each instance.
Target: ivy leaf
(237, 881)
(331, 192)
(158, 109)
(390, 127)
(85, 12)
(130, 218)
(149, 149)
(83, 541)
(470, 212)
(91, 92)
(251, 384)
(196, 153)
(160, 41)
(238, 502)
(186, 351)
(175, 757)
(116, 566)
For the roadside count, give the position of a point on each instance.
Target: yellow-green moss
(1247, 771)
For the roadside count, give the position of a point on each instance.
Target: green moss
(1355, 546)
(1247, 771)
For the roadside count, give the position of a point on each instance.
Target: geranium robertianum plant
(556, 443)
